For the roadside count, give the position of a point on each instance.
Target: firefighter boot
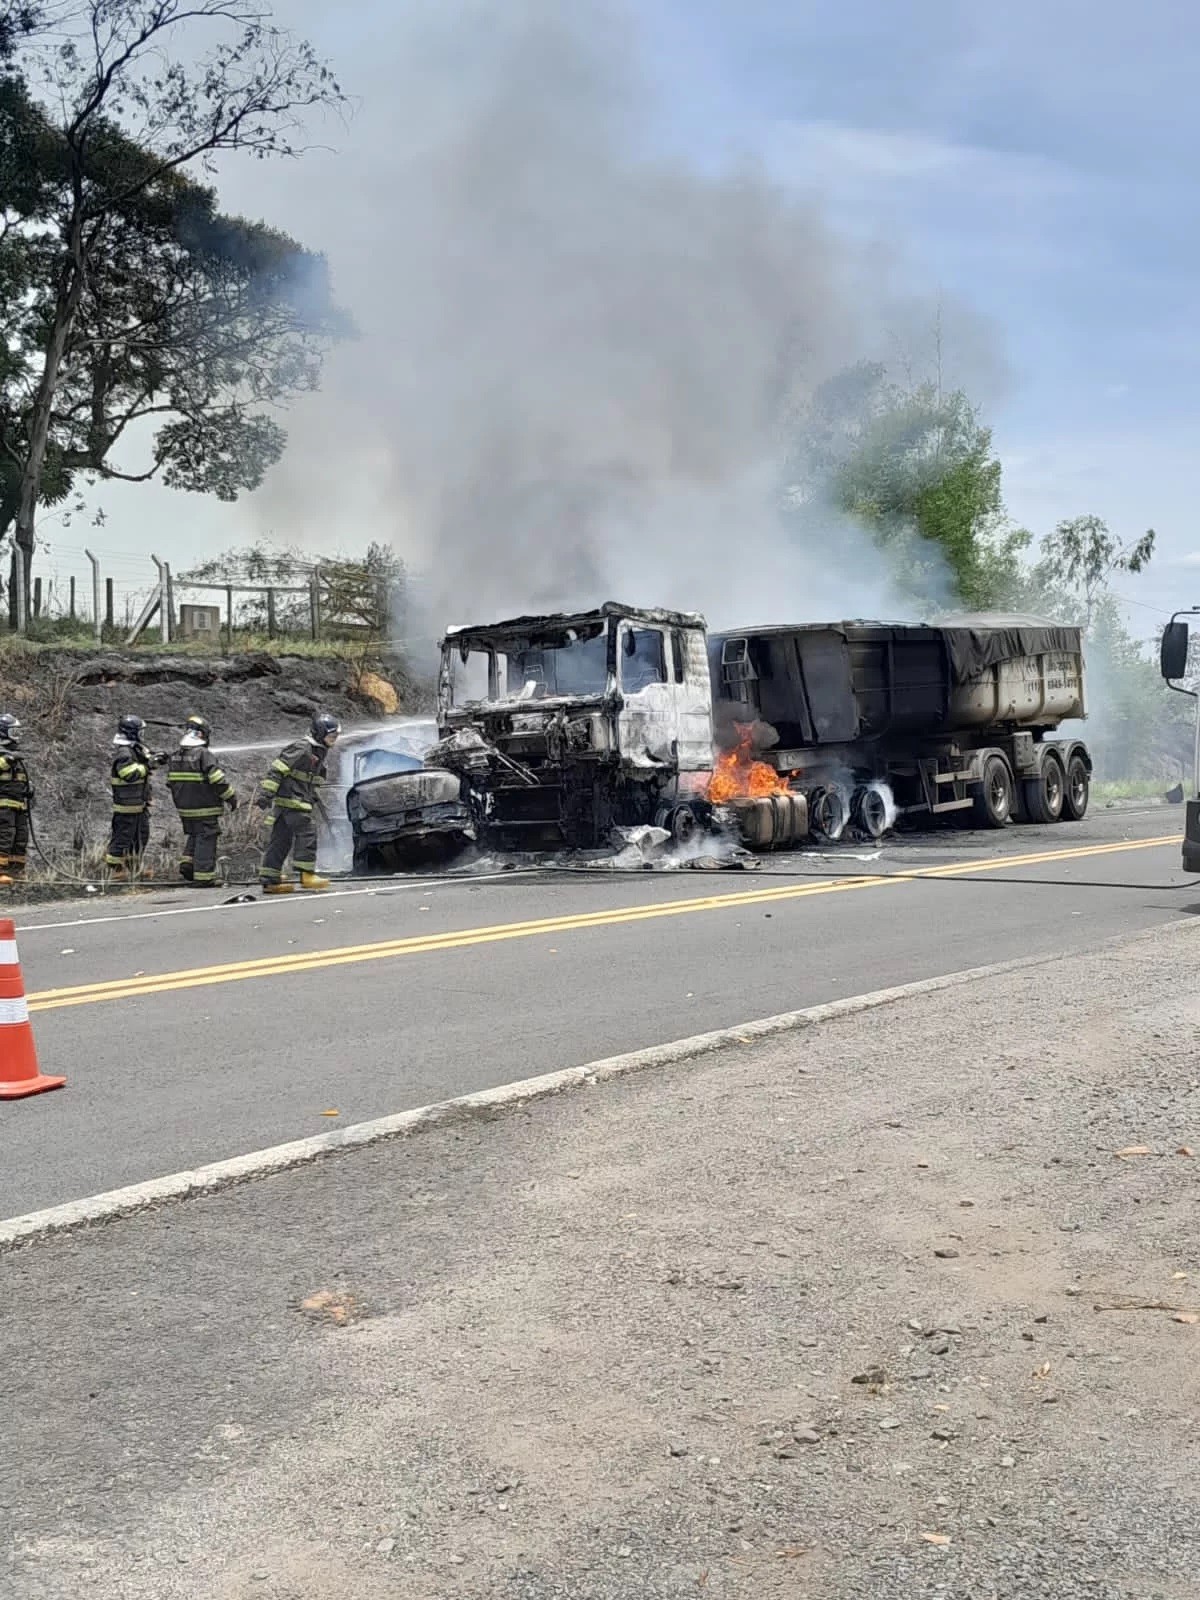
(278, 888)
(311, 880)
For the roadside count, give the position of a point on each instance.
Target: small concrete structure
(197, 622)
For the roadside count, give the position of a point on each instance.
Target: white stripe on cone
(14, 1011)
(8, 953)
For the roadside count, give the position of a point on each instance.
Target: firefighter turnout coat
(14, 782)
(296, 773)
(198, 786)
(130, 780)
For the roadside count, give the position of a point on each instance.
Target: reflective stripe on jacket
(295, 773)
(14, 783)
(130, 780)
(197, 784)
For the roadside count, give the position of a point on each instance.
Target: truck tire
(683, 825)
(1043, 795)
(826, 814)
(992, 807)
(1078, 790)
(869, 812)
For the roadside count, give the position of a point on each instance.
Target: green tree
(1078, 559)
(189, 321)
(916, 467)
(17, 21)
(1136, 727)
(136, 105)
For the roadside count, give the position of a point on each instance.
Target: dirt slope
(69, 703)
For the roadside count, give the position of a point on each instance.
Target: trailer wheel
(993, 805)
(868, 811)
(1078, 790)
(1044, 794)
(826, 814)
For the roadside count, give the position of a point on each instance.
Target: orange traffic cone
(19, 1073)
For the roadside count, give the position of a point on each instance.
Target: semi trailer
(953, 716)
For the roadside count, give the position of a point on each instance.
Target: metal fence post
(164, 620)
(96, 623)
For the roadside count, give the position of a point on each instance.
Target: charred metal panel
(558, 756)
(899, 678)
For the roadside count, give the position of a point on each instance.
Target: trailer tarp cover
(977, 641)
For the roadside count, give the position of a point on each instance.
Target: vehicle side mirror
(1173, 653)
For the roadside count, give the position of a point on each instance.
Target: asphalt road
(191, 1032)
(865, 1311)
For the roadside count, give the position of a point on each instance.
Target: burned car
(566, 727)
(403, 813)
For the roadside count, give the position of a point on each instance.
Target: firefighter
(200, 791)
(130, 797)
(288, 795)
(16, 796)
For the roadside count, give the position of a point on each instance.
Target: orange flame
(738, 776)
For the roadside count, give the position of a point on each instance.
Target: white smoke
(580, 365)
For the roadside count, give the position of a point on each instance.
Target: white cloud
(838, 153)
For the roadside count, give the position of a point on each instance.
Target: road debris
(330, 1305)
(1131, 1303)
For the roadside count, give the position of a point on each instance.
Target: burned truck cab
(567, 726)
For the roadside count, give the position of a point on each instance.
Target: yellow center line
(388, 949)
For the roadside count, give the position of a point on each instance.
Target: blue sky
(1033, 163)
(1037, 162)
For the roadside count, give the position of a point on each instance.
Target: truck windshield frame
(562, 664)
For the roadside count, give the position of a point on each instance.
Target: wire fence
(127, 596)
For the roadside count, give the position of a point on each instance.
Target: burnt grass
(69, 702)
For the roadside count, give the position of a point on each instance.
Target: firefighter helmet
(10, 729)
(197, 730)
(131, 728)
(325, 728)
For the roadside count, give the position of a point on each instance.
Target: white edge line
(389, 885)
(383, 886)
(217, 1175)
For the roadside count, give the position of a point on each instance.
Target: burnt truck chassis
(558, 794)
(564, 770)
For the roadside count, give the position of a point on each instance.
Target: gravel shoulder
(817, 1317)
